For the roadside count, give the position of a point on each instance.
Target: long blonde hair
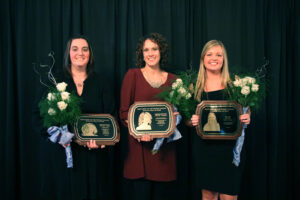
(202, 70)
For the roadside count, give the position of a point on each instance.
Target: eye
(145, 50)
(155, 49)
(74, 48)
(86, 49)
(209, 54)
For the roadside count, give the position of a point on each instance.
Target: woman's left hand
(92, 145)
(245, 118)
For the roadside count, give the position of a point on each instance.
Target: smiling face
(213, 59)
(151, 53)
(79, 53)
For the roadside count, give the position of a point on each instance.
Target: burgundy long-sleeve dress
(140, 163)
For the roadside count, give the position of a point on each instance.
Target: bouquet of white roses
(59, 107)
(247, 91)
(180, 94)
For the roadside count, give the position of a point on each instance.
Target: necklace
(153, 83)
(79, 84)
(79, 81)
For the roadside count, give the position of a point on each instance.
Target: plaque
(102, 128)
(219, 120)
(154, 118)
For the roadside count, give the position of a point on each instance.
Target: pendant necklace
(153, 83)
(79, 84)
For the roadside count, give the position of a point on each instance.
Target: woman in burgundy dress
(147, 176)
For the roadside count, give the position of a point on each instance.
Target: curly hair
(163, 49)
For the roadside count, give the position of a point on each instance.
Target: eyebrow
(213, 52)
(77, 46)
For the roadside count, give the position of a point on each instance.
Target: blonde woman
(214, 173)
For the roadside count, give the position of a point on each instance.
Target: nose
(214, 57)
(152, 51)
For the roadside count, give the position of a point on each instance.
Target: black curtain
(253, 31)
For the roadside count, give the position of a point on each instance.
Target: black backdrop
(252, 31)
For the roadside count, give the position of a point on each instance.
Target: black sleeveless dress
(212, 165)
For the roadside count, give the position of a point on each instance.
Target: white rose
(174, 85)
(51, 111)
(179, 81)
(255, 87)
(188, 96)
(243, 82)
(182, 91)
(245, 90)
(50, 97)
(61, 86)
(237, 83)
(62, 105)
(65, 95)
(250, 79)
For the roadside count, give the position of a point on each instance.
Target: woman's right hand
(195, 120)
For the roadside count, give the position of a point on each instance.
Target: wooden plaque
(100, 127)
(219, 120)
(154, 118)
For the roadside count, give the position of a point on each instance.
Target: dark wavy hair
(163, 49)
(67, 60)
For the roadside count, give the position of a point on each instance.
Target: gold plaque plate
(100, 127)
(154, 118)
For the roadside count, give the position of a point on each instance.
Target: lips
(213, 64)
(80, 58)
(151, 58)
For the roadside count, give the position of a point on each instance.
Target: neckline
(213, 91)
(83, 85)
(140, 70)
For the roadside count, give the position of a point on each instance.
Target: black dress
(212, 165)
(91, 176)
